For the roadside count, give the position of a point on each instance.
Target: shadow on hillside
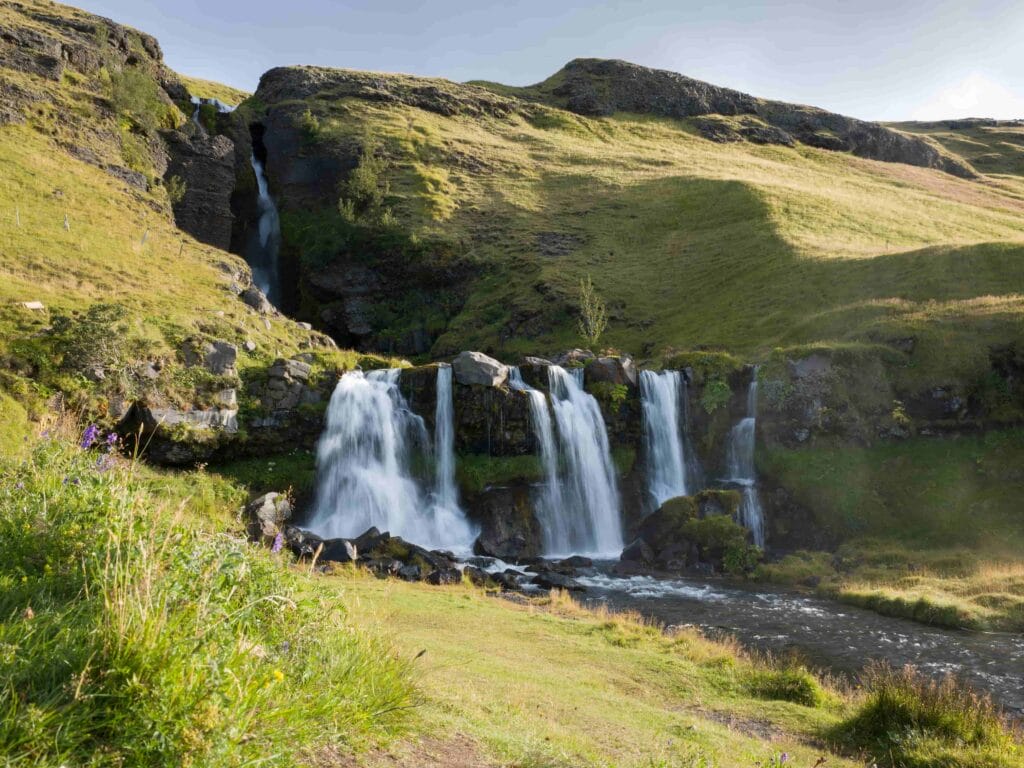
(686, 261)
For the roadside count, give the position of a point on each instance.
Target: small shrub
(902, 709)
(788, 683)
(362, 194)
(176, 189)
(134, 93)
(593, 317)
(716, 394)
(311, 128)
(95, 340)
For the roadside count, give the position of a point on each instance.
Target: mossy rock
(713, 503)
(667, 523)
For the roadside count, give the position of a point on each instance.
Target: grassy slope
(934, 527)
(207, 89)
(741, 246)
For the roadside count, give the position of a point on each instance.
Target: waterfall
(549, 501)
(587, 519)
(741, 466)
(661, 397)
(363, 468)
(262, 255)
(446, 493)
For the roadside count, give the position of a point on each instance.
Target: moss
(476, 472)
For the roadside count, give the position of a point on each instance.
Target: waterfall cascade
(661, 395)
(363, 467)
(587, 517)
(741, 466)
(446, 493)
(549, 501)
(262, 253)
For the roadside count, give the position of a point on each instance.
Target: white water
(661, 397)
(587, 521)
(363, 461)
(446, 493)
(549, 501)
(264, 257)
(741, 466)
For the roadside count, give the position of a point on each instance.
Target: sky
(876, 60)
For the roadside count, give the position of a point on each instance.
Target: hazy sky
(881, 60)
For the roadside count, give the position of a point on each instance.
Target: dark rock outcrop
(601, 87)
(206, 166)
(509, 528)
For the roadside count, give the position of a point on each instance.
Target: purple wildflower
(104, 462)
(784, 758)
(89, 436)
(278, 542)
(112, 440)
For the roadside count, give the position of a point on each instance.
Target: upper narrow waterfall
(587, 519)
(262, 254)
(661, 396)
(363, 462)
(741, 466)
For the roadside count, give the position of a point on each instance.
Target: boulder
(575, 561)
(509, 529)
(218, 357)
(573, 357)
(477, 368)
(256, 299)
(552, 580)
(442, 576)
(638, 551)
(410, 573)
(477, 576)
(338, 551)
(508, 581)
(618, 371)
(267, 515)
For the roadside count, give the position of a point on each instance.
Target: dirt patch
(456, 752)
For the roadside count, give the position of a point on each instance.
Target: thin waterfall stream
(741, 468)
(661, 396)
(263, 251)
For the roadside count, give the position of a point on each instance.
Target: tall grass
(907, 720)
(130, 639)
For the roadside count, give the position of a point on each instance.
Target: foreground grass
(556, 685)
(131, 635)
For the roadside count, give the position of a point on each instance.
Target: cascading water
(262, 253)
(661, 397)
(587, 520)
(549, 501)
(363, 470)
(446, 493)
(741, 467)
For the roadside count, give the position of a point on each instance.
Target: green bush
(135, 94)
(94, 339)
(907, 719)
(793, 683)
(363, 193)
(716, 394)
(128, 639)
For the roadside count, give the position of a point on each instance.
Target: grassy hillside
(996, 148)
(691, 242)
(207, 89)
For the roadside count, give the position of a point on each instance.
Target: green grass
(739, 247)
(208, 89)
(130, 637)
(556, 685)
(932, 528)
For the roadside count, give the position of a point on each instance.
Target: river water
(829, 635)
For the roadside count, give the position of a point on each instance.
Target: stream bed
(828, 634)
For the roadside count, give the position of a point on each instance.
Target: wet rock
(509, 527)
(444, 576)
(638, 551)
(477, 368)
(575, 561)
(508, 581)
(552, 580)
(477, 577)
